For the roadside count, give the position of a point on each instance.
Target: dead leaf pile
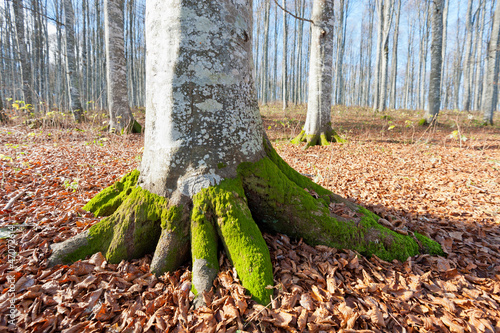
(449, 194)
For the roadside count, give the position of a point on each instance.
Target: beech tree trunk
(121, 119)
(208, 172)
(318, 127)
(436, 61)
(71, 69)
(23, 53)
(490, 94)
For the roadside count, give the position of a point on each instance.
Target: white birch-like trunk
(265, 51)
(384, 56)
(436, 59)
(284, 71)
(394, 69)
(378, 60)
(491, 73)
(120, 116)
(478, 80)
(71, 70)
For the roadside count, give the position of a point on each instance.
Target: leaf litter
(450, 194)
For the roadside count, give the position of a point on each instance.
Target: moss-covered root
(242, 239)
(319, 139)
(203, 247)
(108, 200)
(172, 249)
(283, 206)
(131, 232)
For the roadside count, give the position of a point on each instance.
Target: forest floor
(442, 181)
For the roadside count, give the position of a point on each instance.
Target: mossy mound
(320, 139)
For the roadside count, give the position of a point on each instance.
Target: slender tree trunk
(436, 59)
(388, 9)
(284, 66)
(121, 119)
(339, 93)
(394, 69)
(445, 36)
(378, 60)
(23, 53)
(318, 126)
(71, 70)
(467, 59)
(490, 94)
(478, 79)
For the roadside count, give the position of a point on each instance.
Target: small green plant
(73, 185)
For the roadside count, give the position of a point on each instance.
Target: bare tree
(71, 68)
(121, 119)
(490, 94)
(436, 61)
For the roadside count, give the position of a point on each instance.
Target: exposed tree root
(322, 139)
(268, 192)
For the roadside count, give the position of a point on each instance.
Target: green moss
(136, 127)
(241, 237)
(282, 206)
(108, 200)
(171, 217)
(430, 246)
(298, 139)
(221, 165)
(422, 122)
(302, 181)
(322, 139)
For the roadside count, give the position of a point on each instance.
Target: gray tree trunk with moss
(318, 127)
(71, 70)
(121, 119)
(436, 61)
(208, 172)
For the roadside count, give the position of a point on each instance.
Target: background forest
(365, 39)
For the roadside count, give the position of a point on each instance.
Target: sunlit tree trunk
(467, 56)
(436, 61)
(71, 69)
(121, 119)
(478, 64)
(490, 94)
(394, 68)
(284, 66)
(23, 52)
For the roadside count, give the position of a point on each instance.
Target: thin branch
(293, 15)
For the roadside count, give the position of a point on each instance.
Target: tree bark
(71, 70)
(208, 173)
(23, 53)
(121, 119)
(318, 127)
(284, 66)
(436, 58)
(467, 59)
(490, 93)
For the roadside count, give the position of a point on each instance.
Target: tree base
(321, 139)
(268, 194)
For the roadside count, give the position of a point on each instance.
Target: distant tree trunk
(478, 78)
(265, 51)
(284, 73)
(378, 60)
(339, 93)
(436, 59)
(318, 127)
(445, 34)
(71, 70)
(394, 69)
(121, 119)
(467, 59)
(490, 93)
(388, 9)
(23, 53)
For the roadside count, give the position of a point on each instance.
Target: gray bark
(203, 91)
(394, 69)
(436, 59)
(120, 116)
(23, 53)
(265, 51)
(385, 56)
(378, 60)
(490, 93)
(467, 59)
(445, 34)
(478, 80)
(318, 120)
(339, 84)
(71, 69)
(284, 66)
